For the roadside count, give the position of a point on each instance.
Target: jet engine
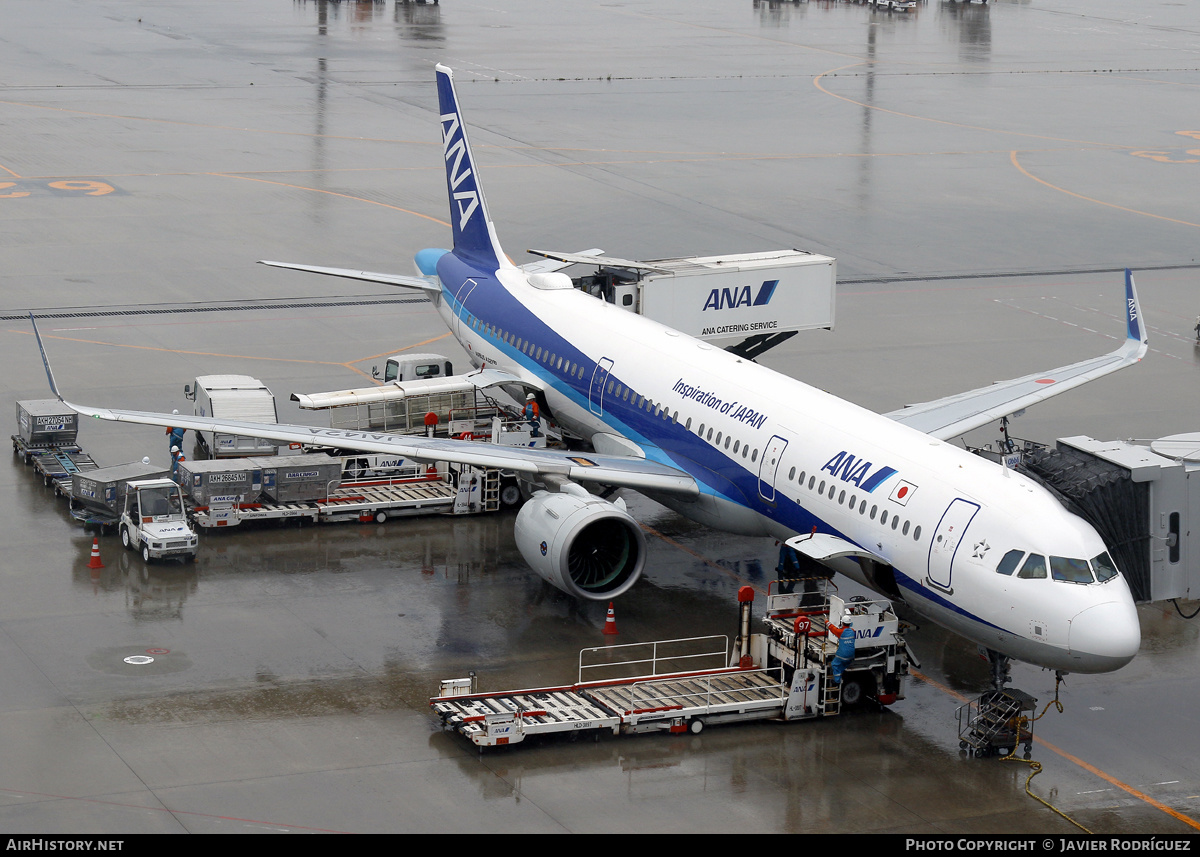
(582, 544)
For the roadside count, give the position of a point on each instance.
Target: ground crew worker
(532, 414)
(176, 457)
(175, 435)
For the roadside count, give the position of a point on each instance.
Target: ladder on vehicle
(491, 490)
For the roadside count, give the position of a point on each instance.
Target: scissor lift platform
(683, 685)
(674, 703)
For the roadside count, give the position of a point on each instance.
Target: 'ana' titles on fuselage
(857, 471)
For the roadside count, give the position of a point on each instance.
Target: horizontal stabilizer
(587, 258)
(368, 276)
(549, 265)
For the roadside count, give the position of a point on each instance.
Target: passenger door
(768, 467)
(946, 540)
(599, 381)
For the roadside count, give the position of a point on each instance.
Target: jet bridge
(1140, 498)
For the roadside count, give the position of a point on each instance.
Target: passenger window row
(840, 495)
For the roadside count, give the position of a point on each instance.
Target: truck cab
(414, 367)
(155, 522)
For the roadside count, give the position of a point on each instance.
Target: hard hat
(529, 397)
(174, 449)
(145, 459)
(175, 411)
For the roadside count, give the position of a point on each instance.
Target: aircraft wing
(368, 276)
(624, 471)
(954, 415)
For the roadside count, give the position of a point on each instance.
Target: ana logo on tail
(454, 146)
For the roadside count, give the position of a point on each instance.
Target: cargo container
(102, 491)
(296, 478)
(237, 480)
(46, 422)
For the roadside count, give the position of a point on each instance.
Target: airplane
(881, 498)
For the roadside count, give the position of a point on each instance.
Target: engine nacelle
(580, 543)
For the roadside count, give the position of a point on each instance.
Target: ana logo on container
(733, 298)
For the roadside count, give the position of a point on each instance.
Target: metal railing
(655, 657)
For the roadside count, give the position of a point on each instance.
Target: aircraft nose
(1105, 637)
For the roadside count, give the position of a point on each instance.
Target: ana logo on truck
(735, 297)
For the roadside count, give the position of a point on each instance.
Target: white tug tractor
(155, 522)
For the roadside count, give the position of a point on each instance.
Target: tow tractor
(154, 520)
(819, 654)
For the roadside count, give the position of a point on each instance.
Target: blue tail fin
(474, 237)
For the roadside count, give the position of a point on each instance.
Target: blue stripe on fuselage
(663, 440)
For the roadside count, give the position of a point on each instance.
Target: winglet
(1133, 312)
(474, 235)
(45, 360)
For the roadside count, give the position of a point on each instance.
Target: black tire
(855, 690)
(696, 726)
(126, 539)
(510, 494)
(146, 553)
(381, 516)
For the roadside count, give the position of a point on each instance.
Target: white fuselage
(776, 457)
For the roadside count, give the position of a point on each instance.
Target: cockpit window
(1009, 563)
(1034, 568)
(1104, 568)
(1070, 570)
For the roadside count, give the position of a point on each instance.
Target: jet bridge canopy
(1140, 499)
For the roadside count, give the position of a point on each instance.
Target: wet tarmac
(982, 173)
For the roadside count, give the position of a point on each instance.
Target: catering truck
(232, 397)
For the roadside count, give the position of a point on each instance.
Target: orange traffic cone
(95, 560)
(610, 621)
